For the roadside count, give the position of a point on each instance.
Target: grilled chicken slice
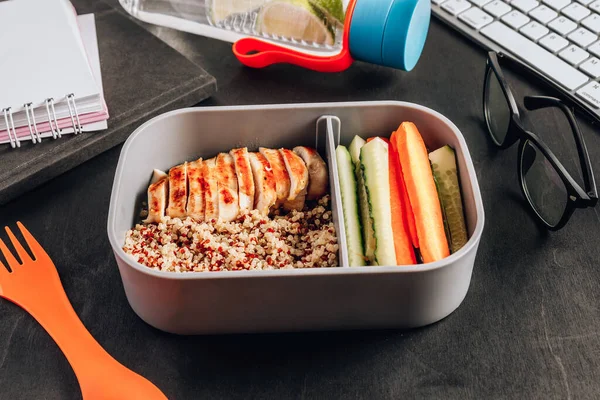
(158, 175)
(195, 204)
(265, 194)
(282, 178)
(157, 198)
(245, 180)
(229, 207)
(210, 189)
(298, 178)
(297, 171)
(177, 191)
(318, 177)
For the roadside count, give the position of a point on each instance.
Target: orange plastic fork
(34, 285)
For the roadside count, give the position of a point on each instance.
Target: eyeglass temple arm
(538, 102)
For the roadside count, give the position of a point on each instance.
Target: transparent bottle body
(306, 25)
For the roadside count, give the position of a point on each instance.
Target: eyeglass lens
(552, 127)
(544, 188)
(497, 109)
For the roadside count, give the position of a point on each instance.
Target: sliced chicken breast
(178, 191)
(318, 176)
(195, 204)
(157, 200)
(297, 171)
(282, 178)
(298, 178)
(158, 175)
(245, 179)
(210, 190)
(229, 207)
(265, 194)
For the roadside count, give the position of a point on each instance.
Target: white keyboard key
(535, 55)
(455, 7)
(526, 5)
(582, 37)
(573, 54)
(534, 30)
(585, 2)
(515, 19)
(543, 14)
(553, 42)
(480, 3)
(438, 2)
(592, 67)
(591, 93)
(557, 4)
(575, 11)
(595, 6)
(497, 8)
(595, 49)
(563, 25)
(592, 23)
(476, 18)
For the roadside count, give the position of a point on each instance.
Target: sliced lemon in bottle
(222, 9)
(311, 21)
(333, 8)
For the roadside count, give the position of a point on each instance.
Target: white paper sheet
(43, 56)
(87, 28)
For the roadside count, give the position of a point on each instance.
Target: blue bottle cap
(389, 32)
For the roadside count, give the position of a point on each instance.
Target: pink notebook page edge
(44, 127)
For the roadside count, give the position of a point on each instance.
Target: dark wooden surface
(529, 327)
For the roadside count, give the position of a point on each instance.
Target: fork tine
(18, 247)
(3, 271)
(12, 261)
(36, 249)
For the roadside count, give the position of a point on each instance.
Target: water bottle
(321, 35)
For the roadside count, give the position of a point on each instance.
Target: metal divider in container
(329, 127)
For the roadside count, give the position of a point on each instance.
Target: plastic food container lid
(389, 32)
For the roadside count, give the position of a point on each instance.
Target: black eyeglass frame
(577, 197)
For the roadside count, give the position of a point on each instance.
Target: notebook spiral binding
(14, 139)
(55, 129)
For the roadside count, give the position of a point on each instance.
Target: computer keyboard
(556, 39)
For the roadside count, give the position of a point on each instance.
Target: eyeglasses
(549, 188)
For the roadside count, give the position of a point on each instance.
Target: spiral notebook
(52, 72)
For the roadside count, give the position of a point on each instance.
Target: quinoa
(300, 239)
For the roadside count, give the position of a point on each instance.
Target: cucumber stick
(443, 164)
(374, 160)
(367, 223)
(355, 146)
(356, 256)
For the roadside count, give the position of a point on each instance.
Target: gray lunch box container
(292, 299)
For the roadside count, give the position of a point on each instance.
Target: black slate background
(529, 327)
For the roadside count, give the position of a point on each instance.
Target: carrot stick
(410, 216)
(422, 193)
(405, 254)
